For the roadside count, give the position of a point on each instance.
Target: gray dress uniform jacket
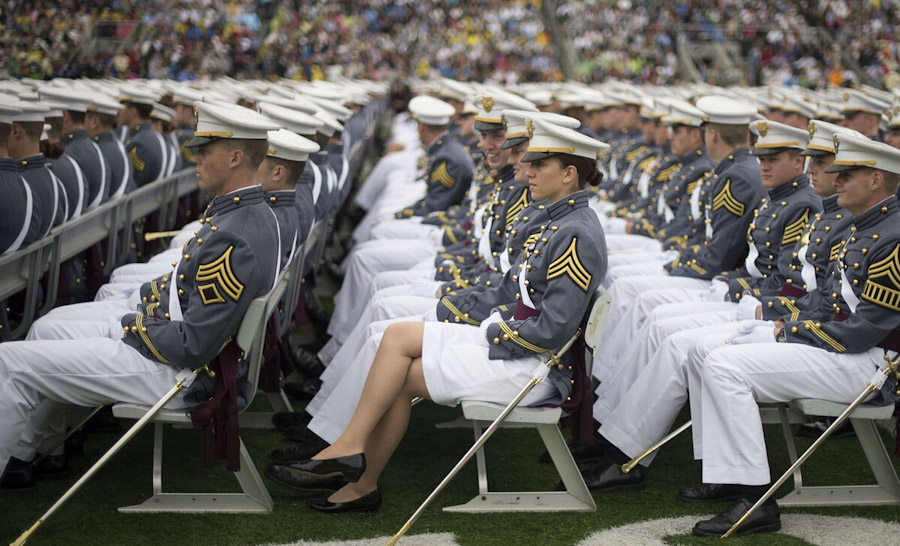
(448, 174)
(729, 210)
(284, 205)
(16, 207)
(47, 190)
(147, 152)
(121, 172)
(93, 165)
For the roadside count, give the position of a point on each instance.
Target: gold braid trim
(811, 326)
(141, 330)
(515, 338)
(793, 231)
(795, 312)
(459, 314)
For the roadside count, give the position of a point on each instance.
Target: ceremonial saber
(160, 235)
(62, 440)
(179, 385)
(874, 383)
(538, 377)
(627, 467)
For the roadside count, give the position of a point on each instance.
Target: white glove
(717, 291)
(754, 331)
(746, 309)
(495, 317)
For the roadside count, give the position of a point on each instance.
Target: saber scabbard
(874, 384)
(629, 466)
(554, 360)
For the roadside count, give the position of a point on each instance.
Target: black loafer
(288, 419)
(367, 503)
(351, 467)
(304, 391)
(54, 466)
(607, 476)
(815, 429)
(710, 492)
(589, 453)
(282, 475)
(297, 453)
(766, 519)
(18, 479)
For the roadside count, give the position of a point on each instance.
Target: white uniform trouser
(735, 378)
(626, 242)
(86, 372)
(632, 301)
(380, 174)
(649, 265)
(411, 228)
(364, 263)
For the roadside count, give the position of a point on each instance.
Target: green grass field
(424, 457)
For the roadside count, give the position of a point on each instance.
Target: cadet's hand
(753, 331)
(495, 317)
(749, 308)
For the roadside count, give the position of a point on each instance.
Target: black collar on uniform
(31, 162)
(830, 204)
(8, 164)
(249, 195)
(319, 158)
(506, 174)
(77, 134)
(789, 187)
(731, 158)
(877, 213)
(566, 204)
(281, 198)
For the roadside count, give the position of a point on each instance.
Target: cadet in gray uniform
(99, 122)
(17, 199)
(183, 324)
(146, 149)
(563, 265)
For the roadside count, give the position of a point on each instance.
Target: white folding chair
(576, 497)
(254, 497)
(887, 490)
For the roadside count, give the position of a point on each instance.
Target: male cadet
(17, 199)
(79, 146)
(49, 195)
(161, 122)
(450, 169)
(183, 100)
(100, 121)
(892, 137)
(322, 173)
(828, 354)
(180, 324)
(793, 110)
(862, 112)
(146, 149)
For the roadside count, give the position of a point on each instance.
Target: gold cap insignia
(812, 129)
(487, 103)
(846, 96)
(529, 126)
(836, 139)
(762, 128)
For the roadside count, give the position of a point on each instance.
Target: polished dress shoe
(54, 466)
(588, 453)
(304, 391)
(287, 419)
(103, 421)
(297, 453)
(766, 519)
(607, 476)
(75, 444)
(284, 476)
(814, 429)
(351, 467)
(367, 503)
(307, 363)
(710, 492)
(18, 476)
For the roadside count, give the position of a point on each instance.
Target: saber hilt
(154, 235)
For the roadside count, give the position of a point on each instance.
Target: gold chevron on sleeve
(569, 264)
(885, 293)
(531, 239)
(666, 174)
(794, 230)
(646, 163)
(219, 272)
(442, 175)
(187, 154)
(835, 251)
(726, 199)
(888, 268)
(691, 187)
(516, 208)
(136, 161)
(629, 157)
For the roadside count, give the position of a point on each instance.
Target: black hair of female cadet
(586, 167)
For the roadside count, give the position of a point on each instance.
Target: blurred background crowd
(811, 43)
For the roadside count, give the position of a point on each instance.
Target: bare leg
(400, 347)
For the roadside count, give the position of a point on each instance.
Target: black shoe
(607, 476)
(288, 419)
(303, 391)
(75, 444)
(367, 503)
(710, 492)
(766, 519)
(281, 475)
(18, 476)
(103, 421)
(351, 467)
(318, 317)
(815, 429)
(307, 363)
(298, 453)
(334, 271)
(54, 466)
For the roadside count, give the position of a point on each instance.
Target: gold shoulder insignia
(569, 264)
(885, 293)
(516, 208)
(726, 199)
(793, 231)
(218, 273)
(442, 175)
(666, 174)
(531, 239)
(187, 154)
(835, 251)
(136, 161)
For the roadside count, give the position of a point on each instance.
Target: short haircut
(5, 130)
(294, 168)
(143, 110)
(76, 117)
(891, 181)
(255, 150)
(33, 129)
(106, 120)
(733, 135)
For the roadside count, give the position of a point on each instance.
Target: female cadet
(550, 290)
